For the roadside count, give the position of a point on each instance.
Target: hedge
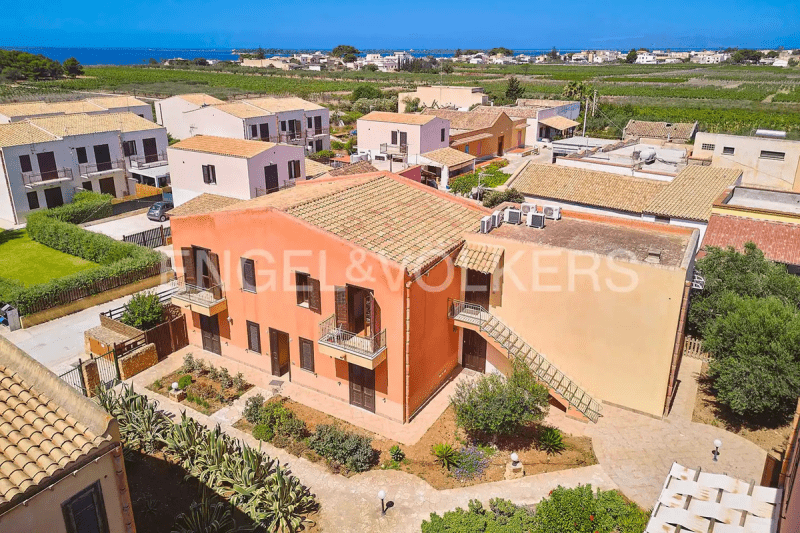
(85, 207)
(116, 260)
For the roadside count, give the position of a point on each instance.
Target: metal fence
(151, 238)
(107, 370)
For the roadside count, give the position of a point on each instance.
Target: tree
(72, 67)
(143, 311)
(349, 58)
(412, 104)
(755, 348)
(575, 90)
(514, 89)
(793, 62)
(365, 91)
(370, 68)
(498, 405)
(772, 54)
(553, 55)
(343, 50)
(501, 51)
(200, 61)
(153, 61)
(447, 67)
(12, 74)
(495, 198)
(457, 53)
(260, 53)
(632, 56)
(746, 56)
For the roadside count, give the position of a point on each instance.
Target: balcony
(292, 137)
(136, 162)
(288, 184)
(91, 170)
(368, 352)
(394, 149)
(50, 177)
(207, 301)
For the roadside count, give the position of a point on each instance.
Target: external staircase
(497, 332)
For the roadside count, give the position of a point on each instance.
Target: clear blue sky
(404, 24)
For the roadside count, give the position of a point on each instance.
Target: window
(209, 174)
(306, 354)
(394, 137)
(253, 337)
(403, 138)
(87, 185)
(85, 512)
(310, 123)
(707, 146)
(466, 148)
(294, 169)
(25, 163)
(33, 200)
(129, 148)
(728, 150)
(283, 125)
(248, 275)
(308, 292)
(264, 131)
(253, 131)
(774, 156)
(442, 134)
(81, 155)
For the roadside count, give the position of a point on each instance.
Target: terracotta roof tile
(449, 157)
(82, 124)
(397, 118)
(315, 168)
(558, 122)
(19, 133)
(38, 439)
(360, 167)
(200, 99)
(205, 203)
(466, 120)
(242, 110)
(481, 257)
(676, 131)
(692, 193)
(780, 241)
(117, 101)
(284, 104)
(223, 146)
(511, 111)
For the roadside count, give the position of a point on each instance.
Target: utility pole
(594, 103)
(585, 113)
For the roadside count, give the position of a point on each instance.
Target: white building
(394, 140)
(236, 168)
(461, 98)
(288, 120)
(45, 160)
(89, 106)
(645, 58)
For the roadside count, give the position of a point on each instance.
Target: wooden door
(500, 145)
(317, 125)
(102, 156)
(477, 289)
(362, 387)
(209, 326)
(357, 308)
(150, 150)
(53, 198)
(107, 186)
(47, 165)
(271, 178)
(279, 352)
(473, 351)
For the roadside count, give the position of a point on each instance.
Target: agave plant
(284, 503)
(251, 471)
(141, 425)
(182, 442)
(550, 440)
(206, 517)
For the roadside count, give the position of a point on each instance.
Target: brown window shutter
(248, 275)
(314, 299)
(376, 316)
(216, 275)
(297, 168)
(253, 337)
(189, 267)
(299, 282)
(340, 298)
(306, 354)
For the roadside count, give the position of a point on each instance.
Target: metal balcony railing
(387, 148)
(335, 337)
(37, 178)
(196, 294)
(288, 184)
(147, 160)
(87, 169)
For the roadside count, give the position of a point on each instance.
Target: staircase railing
(517, 347)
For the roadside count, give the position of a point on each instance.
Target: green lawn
(29, 262)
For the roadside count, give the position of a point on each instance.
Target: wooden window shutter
(253, 131)
(340, 298)
(206, 179)
(368, 314)
(403, 137)
(291, 169)
(300, 282)
(248, 275)
(394, 137)
(216, 275)
(253, 337)
(376, 317)
(306, 354)
(189, 267)
(310, 122)
(296, 168)
(314, 298)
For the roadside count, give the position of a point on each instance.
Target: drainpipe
(680, 337)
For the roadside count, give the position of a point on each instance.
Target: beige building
(763, 161)
(392, 141)
(546, 119)
(678, 132)
(61, 464)
(482, 134)
(444, 96)
(89, 106)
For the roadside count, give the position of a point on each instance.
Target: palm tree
(574, 90)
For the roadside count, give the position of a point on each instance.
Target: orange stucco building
(483, 134)
(373, 288)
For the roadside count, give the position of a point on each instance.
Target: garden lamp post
(514, 459)
(382, 496)
(717, 446)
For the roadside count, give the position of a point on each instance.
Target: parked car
(159, 211)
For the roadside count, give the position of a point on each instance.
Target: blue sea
(138, 56)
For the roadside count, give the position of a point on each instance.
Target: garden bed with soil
(210, 390)
(708, 411)
(419, 461)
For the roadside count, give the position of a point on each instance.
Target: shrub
(206, 517)
(252, 408)
(238, 382)
(496, 405)
(445, 455)
(143, 311)
(755, 348)
(472, 462)
(322, 155)
(365, 91)
(349, 449)
(263, 432)
(291, 428)
(202, 390)
(494, 198)
(396, 453)
(503, 517)
(184, 382)
(190, 364)
(581, 509)
(197, 400)
(85, 207)
(224, 378)
(550, 440)
(490, 176)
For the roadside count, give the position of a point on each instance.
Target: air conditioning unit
(486, 224)
(527, 207)
(551, 212)
(497, 219)
(535, 220)
(512, 216)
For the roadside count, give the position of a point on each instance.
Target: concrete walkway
(352, 504)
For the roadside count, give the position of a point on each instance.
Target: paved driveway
(116, 229)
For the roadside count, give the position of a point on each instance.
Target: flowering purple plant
(472, 462)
